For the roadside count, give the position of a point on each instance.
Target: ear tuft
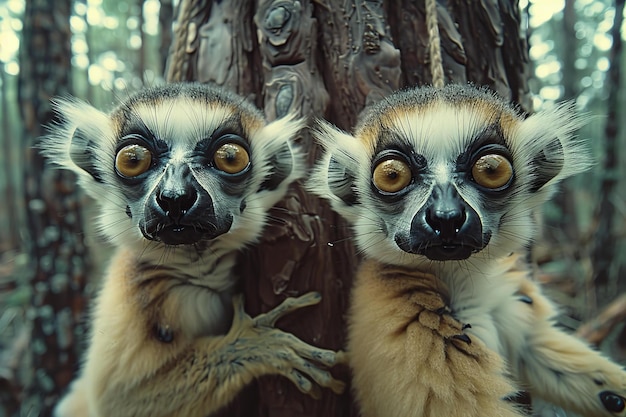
(336, 174)
(342, 182)
(554, 151)
(283, 165)
(80, 141)
(81, 152)
(277, 158)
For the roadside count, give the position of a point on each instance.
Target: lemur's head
(445, 174)
(180, 164)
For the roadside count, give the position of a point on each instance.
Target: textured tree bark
(58, 256)
(329, 59)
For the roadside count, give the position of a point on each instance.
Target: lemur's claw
(463, 337)
(443, 310)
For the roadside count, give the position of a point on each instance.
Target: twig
(597, 329)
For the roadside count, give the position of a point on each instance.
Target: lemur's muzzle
(181, 212)
(445, 228)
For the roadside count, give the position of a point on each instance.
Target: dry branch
(597, 329)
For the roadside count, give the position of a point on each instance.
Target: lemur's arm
(560, 368)
(130, 371)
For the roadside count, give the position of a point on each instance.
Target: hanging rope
(434, 41)
(178, 54)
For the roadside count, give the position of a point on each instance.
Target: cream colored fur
(399, 362)
(407, 357)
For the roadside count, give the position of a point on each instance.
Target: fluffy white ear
(81, 142)
(339, 169)
(277, 159)
(548, 140)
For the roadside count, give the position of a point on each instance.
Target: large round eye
(492, 171)
(392, 175)
(133, 160)
(231, 158)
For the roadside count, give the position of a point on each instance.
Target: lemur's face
(445, 175)
(181, 164)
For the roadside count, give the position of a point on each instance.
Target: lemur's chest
(492, 303)
(182, 300)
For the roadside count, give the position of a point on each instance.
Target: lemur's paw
(264, 349)
(462, 342)
(612, 402)
(597, 393)
(449, 327)
(454, 332)
(601, 387)
(612, 390)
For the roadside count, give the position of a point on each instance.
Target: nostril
(175, 203)
(447, 222)
(459, 219)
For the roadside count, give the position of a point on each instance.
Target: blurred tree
(566, 222)
(166, 16)
(58, 257)
(10, 237)
(141, 64)
(329, 59)
(604, 242)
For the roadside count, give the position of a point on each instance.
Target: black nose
(446, 213)
(176, 204)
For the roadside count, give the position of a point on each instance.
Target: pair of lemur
(440, 186)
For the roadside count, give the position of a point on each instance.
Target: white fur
(349, 153)
(96, 124)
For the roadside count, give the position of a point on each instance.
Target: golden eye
(133, 160)
(392, 175)
(231, 158)
(492, 171)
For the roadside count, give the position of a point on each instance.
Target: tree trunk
(166, 16)
(603, 252)
(10, 233)
(141, 61)
(567, 225)
(57, 254)
(329, 59)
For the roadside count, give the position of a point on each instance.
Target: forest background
(116, 47)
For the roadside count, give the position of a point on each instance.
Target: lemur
(440, 186)
(185, 175)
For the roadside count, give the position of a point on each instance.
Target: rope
(434, 44)
(176, 65)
